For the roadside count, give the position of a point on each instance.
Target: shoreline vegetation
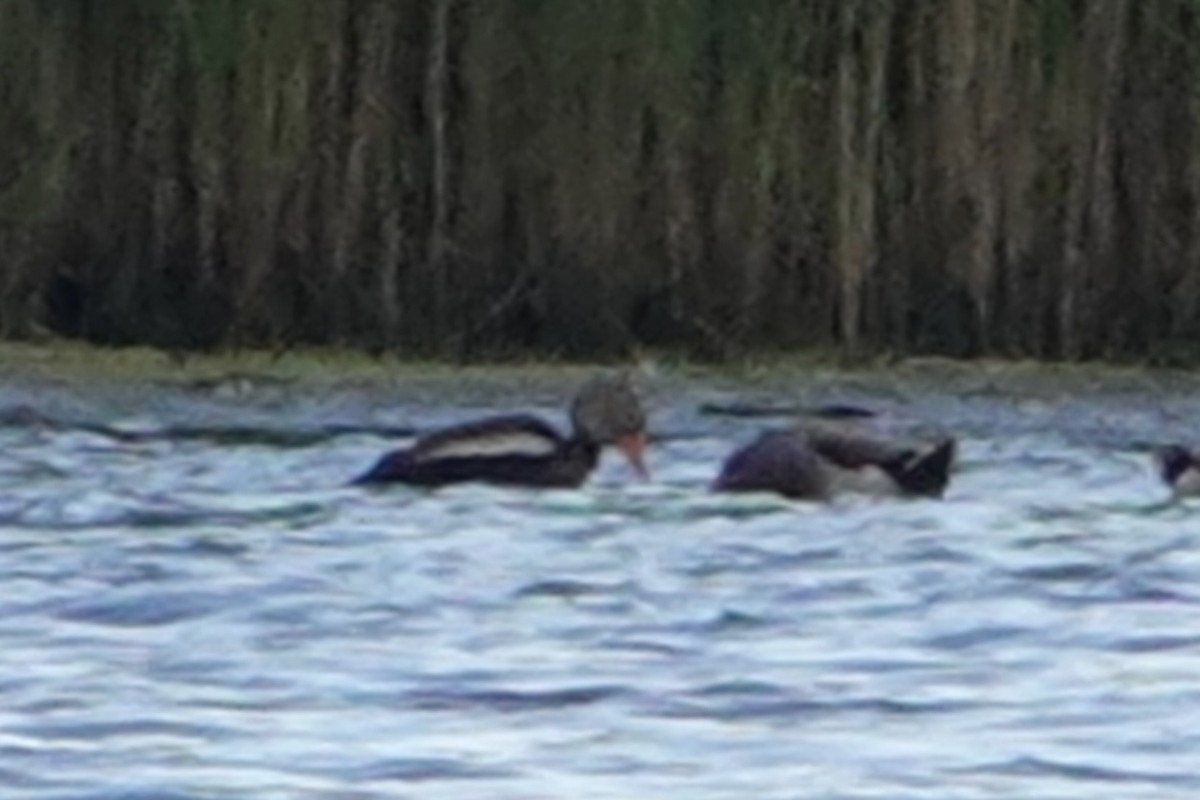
(463, 180)
(234, 373)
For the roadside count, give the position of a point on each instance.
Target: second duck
(822, 461)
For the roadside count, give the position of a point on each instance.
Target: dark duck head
(522, 450)
(923, 472)
(1179, 467)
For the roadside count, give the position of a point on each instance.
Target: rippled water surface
(195, 606)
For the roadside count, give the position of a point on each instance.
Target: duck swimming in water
(818, 461)
(523, 450)
(1179, 467)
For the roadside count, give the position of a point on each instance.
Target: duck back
(777, 461)
(518, 450)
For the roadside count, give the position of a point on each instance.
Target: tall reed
(467, 178)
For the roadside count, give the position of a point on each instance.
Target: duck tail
(927, 472)
(391, 468)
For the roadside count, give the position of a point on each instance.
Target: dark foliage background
(472, 177)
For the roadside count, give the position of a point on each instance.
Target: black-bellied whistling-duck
(819, 461)
(522, 450)
(1179, 467)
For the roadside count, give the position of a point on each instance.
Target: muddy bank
(330, 393)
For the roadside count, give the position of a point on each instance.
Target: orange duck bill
(633, 446)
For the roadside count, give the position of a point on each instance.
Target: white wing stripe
(513, 443)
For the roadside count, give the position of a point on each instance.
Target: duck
(1179, 467)
(819, 460)
(524, 450)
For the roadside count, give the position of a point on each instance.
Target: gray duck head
(608, 411)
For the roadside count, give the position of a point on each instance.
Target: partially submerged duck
(818, 461)
(1179, 467)
(523, 450)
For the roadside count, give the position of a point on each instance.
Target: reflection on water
(197, 607)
